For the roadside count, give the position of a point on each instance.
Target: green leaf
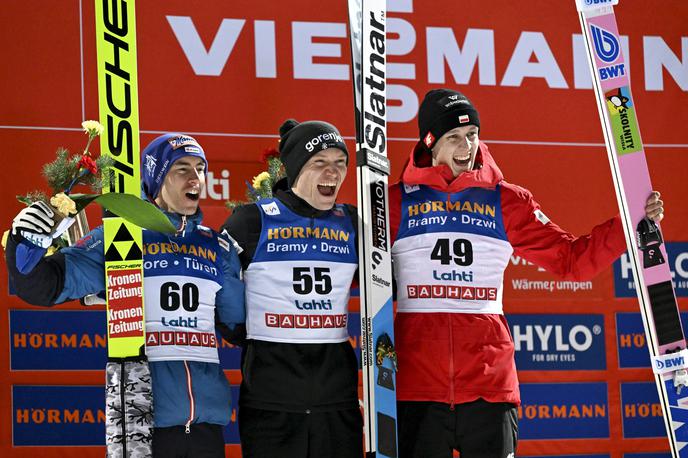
(131, 208)
(81, 200)
(25, 200)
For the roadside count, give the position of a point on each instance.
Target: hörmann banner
(563, 411)
(641, 411)
(631, 340)
(57, 340)
(58, 415)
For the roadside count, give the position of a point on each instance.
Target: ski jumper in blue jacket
(189, 386)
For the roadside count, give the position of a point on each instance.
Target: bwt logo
(666, 364)
(579, 337)
(606, 44)
(211, 186)
(607, 49)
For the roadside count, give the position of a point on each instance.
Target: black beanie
(301, 141)
(441, 111)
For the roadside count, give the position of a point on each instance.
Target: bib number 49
(460, 252)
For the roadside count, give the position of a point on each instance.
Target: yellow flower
(258, 179)
(92, 128)
(4, 239)
(63, 204)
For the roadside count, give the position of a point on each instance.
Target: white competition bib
(297, 285)
(451, 251)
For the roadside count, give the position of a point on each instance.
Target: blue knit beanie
(158, 157)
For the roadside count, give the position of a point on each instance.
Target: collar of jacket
(419, 170)
(192, 221)
(298, 205)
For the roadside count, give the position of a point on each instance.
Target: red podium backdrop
(229, 72)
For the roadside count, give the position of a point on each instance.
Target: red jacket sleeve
(547, 245)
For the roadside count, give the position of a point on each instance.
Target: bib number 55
(307, 280)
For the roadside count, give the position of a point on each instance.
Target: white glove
(92, 299)
(36, 223)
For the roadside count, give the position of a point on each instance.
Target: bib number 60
(172, 296)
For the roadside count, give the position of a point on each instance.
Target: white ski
(367, 19)
(651, 273)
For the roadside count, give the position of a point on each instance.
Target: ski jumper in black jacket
(299, 392)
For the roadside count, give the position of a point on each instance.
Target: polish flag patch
(463, 119)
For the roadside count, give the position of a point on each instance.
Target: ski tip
(589, 5)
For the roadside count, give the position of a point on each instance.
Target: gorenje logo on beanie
(301, 141)
(323, 140)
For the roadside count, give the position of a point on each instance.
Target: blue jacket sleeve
(35, 278)
(71, 273)
(84, 267)
(229, 301)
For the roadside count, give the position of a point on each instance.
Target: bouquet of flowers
(62, 175)
(68, 171)
(261, 185)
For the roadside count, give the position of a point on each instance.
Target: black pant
(204, 440)
(477, 429)
(273, 434)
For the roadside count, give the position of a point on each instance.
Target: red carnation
(87, 162)
(269, 153)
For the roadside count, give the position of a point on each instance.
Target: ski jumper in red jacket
(456, 349)
(455, 223)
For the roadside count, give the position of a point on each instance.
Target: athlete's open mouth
(463, 161)
(327, 189)
(193, 195)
